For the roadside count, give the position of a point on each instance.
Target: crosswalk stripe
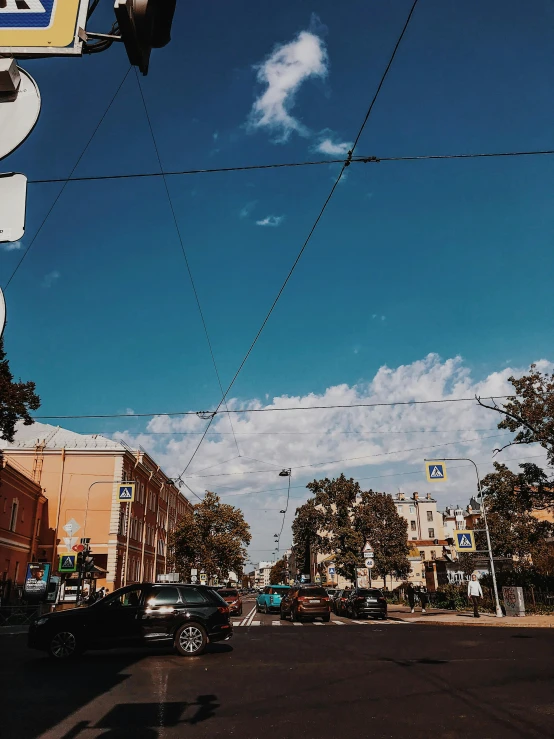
(275, 623)
(295, 623)
(255, 623)
(318, 623)
(339, 623)
(362, 623)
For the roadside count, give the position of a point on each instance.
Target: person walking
(474, 592)
(100, 594)
(410, 592)
(423, 598)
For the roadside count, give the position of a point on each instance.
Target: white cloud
(248, 208)
(339, 148)
(270, 221)
(11, 245)
(282, 73)
(49, 279)
(215, 135)
(388, 443)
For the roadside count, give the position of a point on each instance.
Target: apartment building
(78, 475)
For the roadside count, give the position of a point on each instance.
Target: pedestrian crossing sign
(126, 492)
(68, 563)
(464, 541)
(436, 471)
(28, 26)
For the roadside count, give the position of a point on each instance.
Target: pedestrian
(100, 594)
(474, 592)
(423, 598)
(410, 592)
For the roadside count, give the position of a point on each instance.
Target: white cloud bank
(270, 221)
(382, 446)
(282, 73)
(11, 245)
(334, 148)
(49, 279)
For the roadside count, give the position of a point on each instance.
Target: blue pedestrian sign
(126, 492)
(464, 541)
(436, 471)
(331, 570)
(68, 563)
(39, 24)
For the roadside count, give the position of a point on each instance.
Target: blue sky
(411, 258)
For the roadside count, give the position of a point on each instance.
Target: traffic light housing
(144, 25)
(80, 561)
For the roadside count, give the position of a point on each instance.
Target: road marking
(318, 623)
(275, 623)
(362, 623)
(256, 623)
(250, 616)
(339, 623)
(295, 623)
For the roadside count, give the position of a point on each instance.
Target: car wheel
(282, 615)
(190, 640)
(266, 609)
(257, 607)
(64, 645)
(294, 616)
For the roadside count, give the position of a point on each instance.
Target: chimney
(415, 496)
(428, 496)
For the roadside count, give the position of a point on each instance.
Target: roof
(55, 437)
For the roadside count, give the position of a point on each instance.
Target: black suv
(187, 616)
(366, 602)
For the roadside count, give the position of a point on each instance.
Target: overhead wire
(185, 256)
(311, 232)
(58, 196)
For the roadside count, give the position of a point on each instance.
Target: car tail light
(223, 609)
(360, 597)
(301, 597)
(381, 598)
(325, 600)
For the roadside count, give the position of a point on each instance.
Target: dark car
(231, 596)
(186, 616)
(339, 602)
(366, 602)
(303, 601)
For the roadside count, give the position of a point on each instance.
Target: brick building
(21, 516)
(78, 475)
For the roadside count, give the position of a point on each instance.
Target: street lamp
(499, 613)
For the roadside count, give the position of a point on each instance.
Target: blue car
(270, 598)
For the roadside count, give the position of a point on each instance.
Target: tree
(335, 500)
(530, 412)
(306, 538)
(278, 573)
(17, 399)
(378, 522)
(211, 537)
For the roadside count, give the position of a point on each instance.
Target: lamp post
(499, 613)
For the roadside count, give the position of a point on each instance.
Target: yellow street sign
(436, 471)
(126, 492)
(464, 541)
(46, 25)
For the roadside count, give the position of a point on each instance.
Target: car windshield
(312, 592)
(228, 593)
(372, 593)
(278, 591)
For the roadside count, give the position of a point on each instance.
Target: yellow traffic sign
(464, 541)
(30, 26)
(436, 471)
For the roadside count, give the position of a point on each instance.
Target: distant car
(340, 601)
(332, 593)
(366, 602)
(231, 596)
(270, 598)
(186, 616)
(306, 601)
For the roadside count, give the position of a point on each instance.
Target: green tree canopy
(17, 399)
(211, 537)
(278, 573)
(306, 526)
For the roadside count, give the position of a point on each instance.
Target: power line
(274, 410)
(287, 165)
(58, 196)
(369, 432)
(312, 230)
(183, 250)
(351, 459)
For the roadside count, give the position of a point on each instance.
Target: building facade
(79, 475)
(22, 509)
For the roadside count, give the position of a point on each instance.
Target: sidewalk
(465, 618)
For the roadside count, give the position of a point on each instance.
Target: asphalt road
(372, 679)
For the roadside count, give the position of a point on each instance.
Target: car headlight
(41, 621)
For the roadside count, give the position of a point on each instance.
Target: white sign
(368, 547)
(18, 116)
(71, 527)
(193, 579)
(69, 541)
(13, 196)
(369, 563)
(194, 572)
(203, 577)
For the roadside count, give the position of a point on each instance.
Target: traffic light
(144, 25)
(88, 563)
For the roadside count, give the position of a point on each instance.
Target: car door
(164, 606)
(285, 602)
(116, 620)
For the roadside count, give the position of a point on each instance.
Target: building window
(414, 538)
(412, 509)
(431, 533)
(16, 575)
(430, 516)
(413, 525)
(433, 554)
(13, 517)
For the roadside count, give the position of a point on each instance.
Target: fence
(19, 615)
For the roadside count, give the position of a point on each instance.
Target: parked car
(366, 602)
(306, 601)
(332, 593)
(339, 602)
(270, 598)
(231, 596)
(187, 616)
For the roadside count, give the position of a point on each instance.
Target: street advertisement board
(36, 581)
